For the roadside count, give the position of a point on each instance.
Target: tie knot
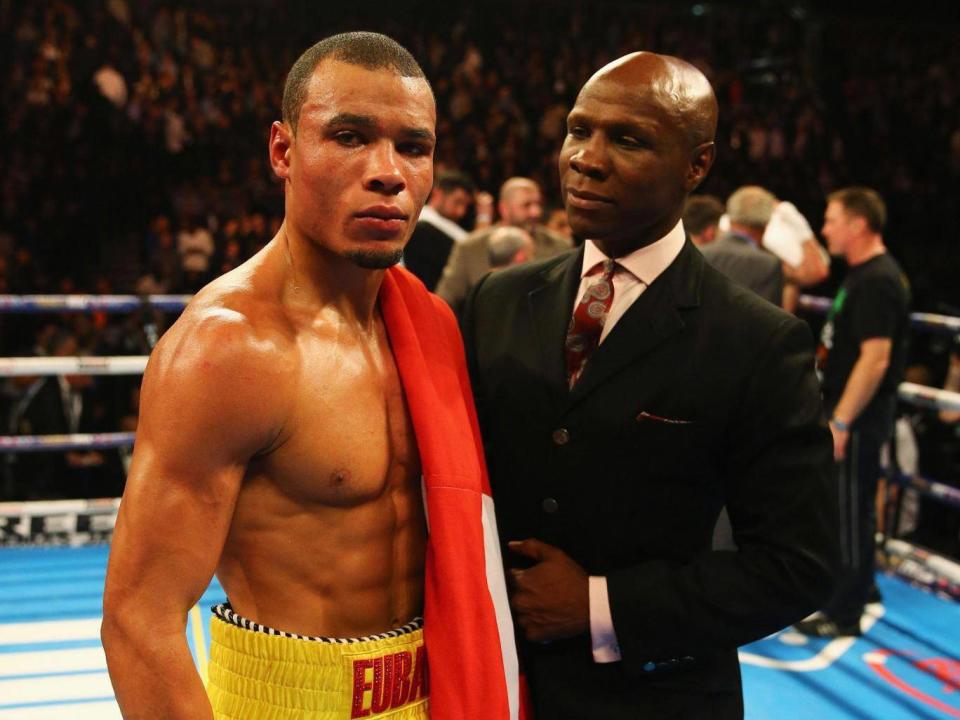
(607, 268)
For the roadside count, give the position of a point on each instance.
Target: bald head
(640, 138)
(681, 90)
(514, 184)
(520, 203)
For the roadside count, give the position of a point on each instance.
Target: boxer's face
(453, 205)
(360, 165)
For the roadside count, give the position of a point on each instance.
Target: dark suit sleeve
(773, 285)
(778, 478)
(426, 253)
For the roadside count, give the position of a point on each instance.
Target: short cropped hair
(369, 50)
(751, 205)
(450, 180)
(863, 202)
(700, 212)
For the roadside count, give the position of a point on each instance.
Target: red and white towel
(468, 630)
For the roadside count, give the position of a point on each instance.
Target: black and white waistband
(226, 613)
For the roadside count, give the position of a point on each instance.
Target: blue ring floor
(906, 666)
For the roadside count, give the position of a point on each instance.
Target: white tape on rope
(110, 365)
(928, 397)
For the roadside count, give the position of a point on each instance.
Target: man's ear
(281, 141)
(858, 224)
(701, 160)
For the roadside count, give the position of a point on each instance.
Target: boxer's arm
(204, 413)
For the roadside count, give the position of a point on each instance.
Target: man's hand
(551, 599)
(840, 439)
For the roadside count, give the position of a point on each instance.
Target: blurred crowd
(131, 123)
(133, 144)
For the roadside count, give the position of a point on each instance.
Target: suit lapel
(651, 320)
(551, 306)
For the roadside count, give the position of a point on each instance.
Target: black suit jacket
(426, 253)
(702, 395)
(48, 475)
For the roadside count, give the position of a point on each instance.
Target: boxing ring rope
(919, 395)
(80, 365)
(929, 322)
(90, 303)
(76, 441)
(92, 520)
(910, 562)
(172, 303)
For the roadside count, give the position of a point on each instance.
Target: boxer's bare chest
(348, 437)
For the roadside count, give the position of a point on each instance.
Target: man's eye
(578, 131)
(630, 141)
(348, 138)
(414, 149)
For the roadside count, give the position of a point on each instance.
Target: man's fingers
(532, 548)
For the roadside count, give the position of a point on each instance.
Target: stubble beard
(375, 260)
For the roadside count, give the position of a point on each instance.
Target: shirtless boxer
(275, 447)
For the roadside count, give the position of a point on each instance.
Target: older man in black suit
(627, 391)
(739, 253)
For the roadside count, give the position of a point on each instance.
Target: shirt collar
(743, 236)
(646, 263)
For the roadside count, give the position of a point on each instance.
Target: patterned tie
(586, 325)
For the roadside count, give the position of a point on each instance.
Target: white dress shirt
(444, 225)
(635, 273)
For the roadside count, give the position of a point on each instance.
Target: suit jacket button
(550, 506)
(650, 666)
(561, 436)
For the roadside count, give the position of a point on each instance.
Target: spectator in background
(559, 224)
(154, 281)
(484, 214)
(60, 405)
(253, 231)
(437, 229)
(737, 253)
(952, 382)
(507, 88)
(862, 359)
(701, 218)
(521, 205)
(509, 246)
(195, 246)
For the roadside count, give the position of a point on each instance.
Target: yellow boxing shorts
(258, 673)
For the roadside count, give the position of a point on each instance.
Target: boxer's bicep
(209, 403)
